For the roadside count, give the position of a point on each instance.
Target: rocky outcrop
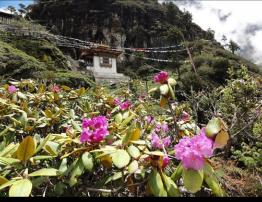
(132, 23)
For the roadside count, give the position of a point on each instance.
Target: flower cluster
(193, 151)
(123, 105)
(12, 89)
(56, 89)
(156, 141)
(161, 77)
(94, 129)
(166, 161)
(159, 143)
(149, 119)
(161, 127)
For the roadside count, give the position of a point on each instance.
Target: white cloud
(3, 9)
(240, 17)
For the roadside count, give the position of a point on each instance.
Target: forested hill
(147, 23)
(128, 23)
(122, 23)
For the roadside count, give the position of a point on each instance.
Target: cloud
(191, 3)
(252, 29)
(237, 20)
(4, 9)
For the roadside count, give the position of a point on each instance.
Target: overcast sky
(240, 21)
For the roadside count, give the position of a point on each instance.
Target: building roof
(6, 15)
(101, 50)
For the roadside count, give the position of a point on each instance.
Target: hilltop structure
(102, 62)
(6, 17)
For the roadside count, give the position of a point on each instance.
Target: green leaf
(132, 134)
(21, 96)
(88, 161)
(178, 172)
(77, 171)
(43, 143)
(127, 120)
(213, 127)
(76, 126)
(51, 147)
(164, 89)
(118, 118)
(133, 151)
(21, 188)
(63, 166)
(8, 161)
(116, 176)
(36, 158)
(211, 180)
(7, 184)
(72, 114)
(171, 187)
(171, 81)
(26, 149)
(193, 179)
(153, 90)
(120, 158)
(171, 91)
(156, 185)
(133, 166)
(45, 172)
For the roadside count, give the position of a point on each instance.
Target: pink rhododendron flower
(157, 143)
(12, 89)
(166, 141)
(125, 105)
(163, 127)
(149, 119)
(193, 151)
(166, 161)
(56, 89)
(94, 129)
(161, 77)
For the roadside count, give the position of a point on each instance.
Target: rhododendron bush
(58, 141)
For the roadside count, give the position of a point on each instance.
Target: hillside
(143, 24)
(22, 56)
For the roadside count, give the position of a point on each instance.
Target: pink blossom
(125, 105)
(56, 89)
(161, 127)
(158, 143)
(149, 119)
(193, 151)
(166, 141)
(161, 77)
(11, 89)
(94, 129)
(166, 161)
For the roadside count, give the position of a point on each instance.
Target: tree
(233, 46)
(210, 34)
(22, 10)
(12, 9)
(224, 39)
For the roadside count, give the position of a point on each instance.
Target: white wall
(98, 69)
